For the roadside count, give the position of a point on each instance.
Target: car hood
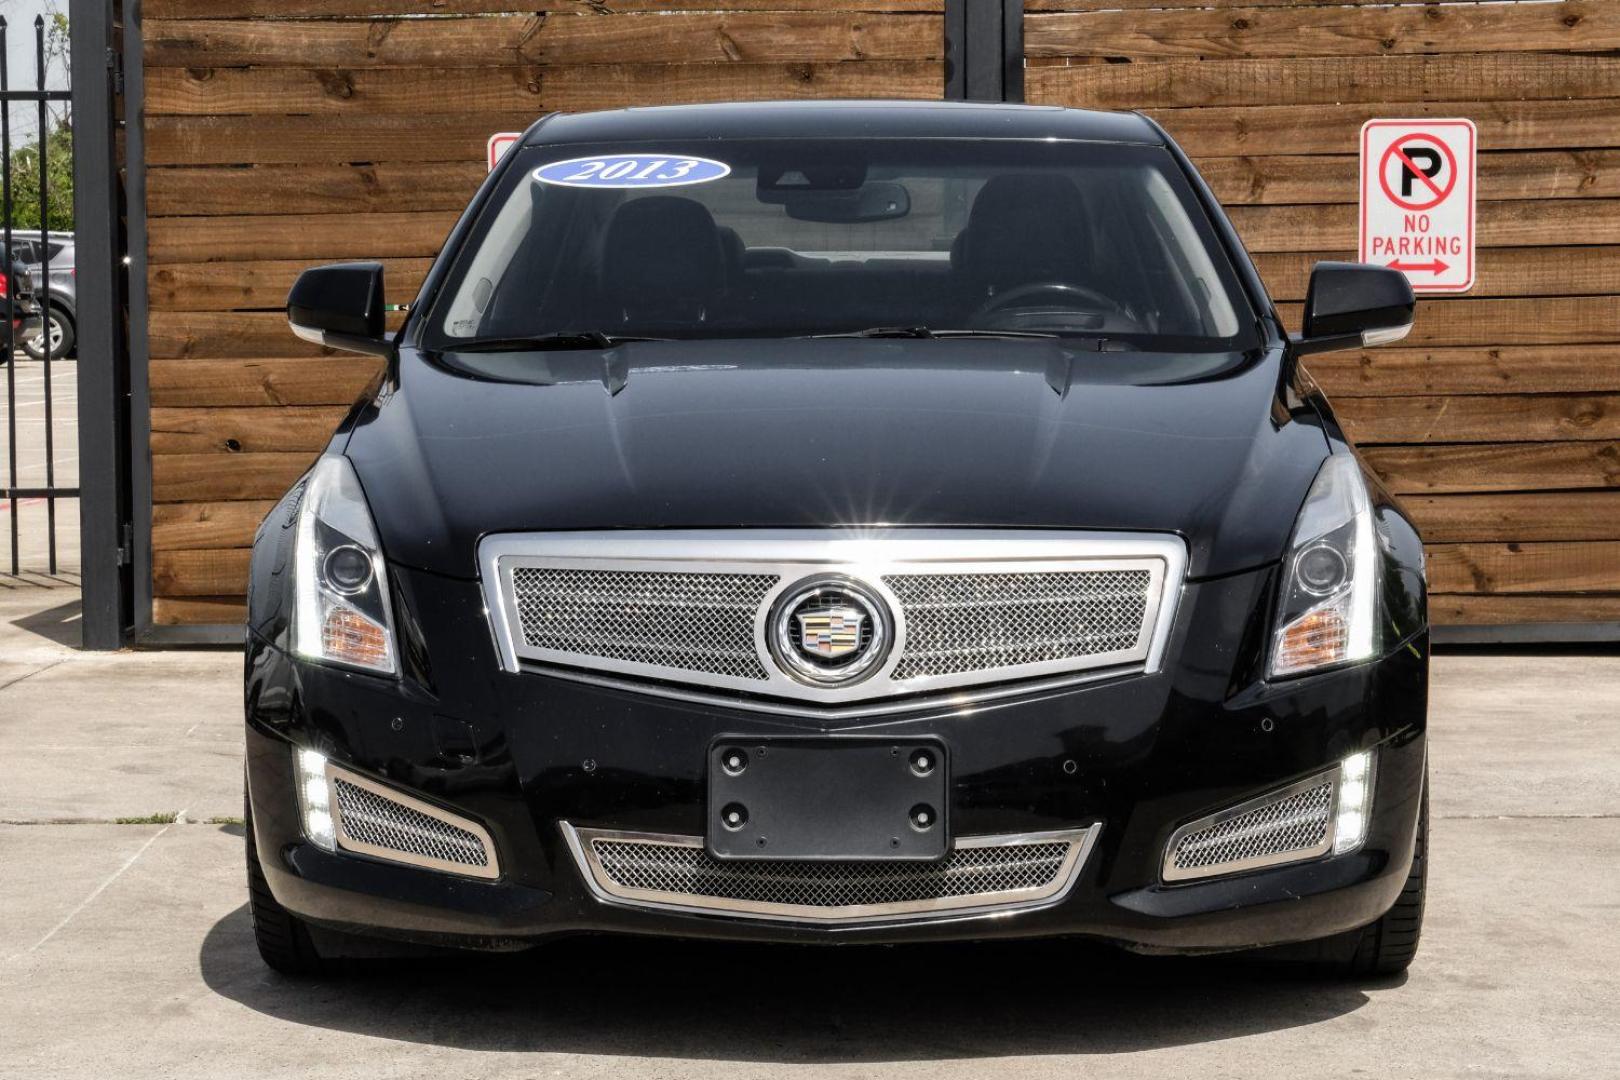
(780, 434)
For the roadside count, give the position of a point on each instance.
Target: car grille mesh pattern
(970, 622)
(366, 817)
(1297, 823)
(971, 874)
(690, 621)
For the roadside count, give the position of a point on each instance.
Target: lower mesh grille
(396, 827)
(1287, 826)
(978, 873)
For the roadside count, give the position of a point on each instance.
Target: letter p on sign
(1417, 201)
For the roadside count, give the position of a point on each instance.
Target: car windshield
(583, 245)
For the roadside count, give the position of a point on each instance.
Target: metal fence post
(104, 505)
(984, 50)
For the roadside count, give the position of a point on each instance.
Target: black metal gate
(33, 484)
(75, 274)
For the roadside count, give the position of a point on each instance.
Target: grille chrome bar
(970, 607)
(981, 875)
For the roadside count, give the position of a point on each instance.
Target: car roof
(844, 120)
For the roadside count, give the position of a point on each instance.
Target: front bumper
(1136, 755)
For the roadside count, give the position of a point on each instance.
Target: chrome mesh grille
(367, 818)
(970, 622)
(982, 874)
(1295, 824)
(690, 621)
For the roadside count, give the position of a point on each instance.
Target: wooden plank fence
(281, 133)
(1498, 421)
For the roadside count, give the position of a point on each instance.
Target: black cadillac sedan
(840, 522)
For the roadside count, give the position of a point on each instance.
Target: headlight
(341, 613)
(1329, 610)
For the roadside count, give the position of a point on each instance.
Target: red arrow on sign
(1435, 267)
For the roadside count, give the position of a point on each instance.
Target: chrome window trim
(864, 554)
(1171, 875)
(1080, 841)
(489, 872)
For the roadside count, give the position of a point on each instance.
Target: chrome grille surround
(385, 823)
(981, 875)
(970, 607)
(1292, 824)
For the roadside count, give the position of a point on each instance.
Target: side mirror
(341, 307)
(1354, 305)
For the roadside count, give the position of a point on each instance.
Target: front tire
(1383, 947)
(283, 938)
(60, 330)
(1388, 946)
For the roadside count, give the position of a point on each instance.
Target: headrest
(662, 258)
(1024, 228)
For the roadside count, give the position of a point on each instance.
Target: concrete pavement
(26, 380)
(125, 949)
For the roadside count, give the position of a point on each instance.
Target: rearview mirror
(341, 307)
(873, 202)
(1354, 305)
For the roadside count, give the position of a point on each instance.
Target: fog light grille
(1289, 825)
(387, 824)
(985, 873)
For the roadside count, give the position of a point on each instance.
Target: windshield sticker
(632, 171)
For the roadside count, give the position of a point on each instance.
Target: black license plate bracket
(849, 798)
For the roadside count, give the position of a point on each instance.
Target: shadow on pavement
(787, 1004)
(60, 624)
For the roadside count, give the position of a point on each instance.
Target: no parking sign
(1417, 201)
(499, 144)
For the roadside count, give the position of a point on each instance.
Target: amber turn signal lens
(350, 637)
(1317, 638)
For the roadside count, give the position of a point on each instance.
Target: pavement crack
(31, 674)
(97, 891)
(1527, 817)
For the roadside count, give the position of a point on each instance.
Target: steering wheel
(1061, 289)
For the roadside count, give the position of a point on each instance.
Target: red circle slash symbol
(1396, 153)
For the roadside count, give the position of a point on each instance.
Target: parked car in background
(28, 251)
(17, 286)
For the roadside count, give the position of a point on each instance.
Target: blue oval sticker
(632, 171)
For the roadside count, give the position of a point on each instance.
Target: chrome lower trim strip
(956, 700)
(601, 886)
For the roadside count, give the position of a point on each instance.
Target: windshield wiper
(925, 332)
(570, 339)
(882, 332)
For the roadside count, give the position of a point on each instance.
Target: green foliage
(58, 179)
(59, 143)
(148, 819)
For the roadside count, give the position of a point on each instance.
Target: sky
(19, 15)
